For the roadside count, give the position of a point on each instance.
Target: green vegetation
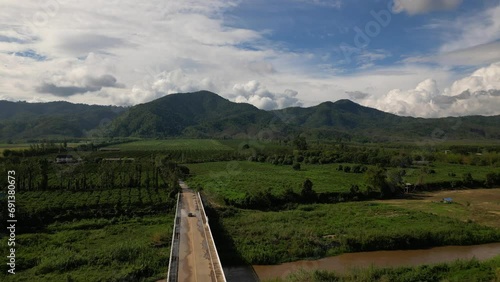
(91, 220)
(236, 180)
(116, 249)
(314, 231)
(469, 270)
(174, 145)
(21, 120)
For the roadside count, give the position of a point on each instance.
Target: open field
(232, 180)
(480, 205)
(443, 172)
(314, 231)
(173, 145)
(13, 147)
(119, 249)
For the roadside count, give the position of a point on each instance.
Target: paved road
(194, 257)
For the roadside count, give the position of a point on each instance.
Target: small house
(64, 159)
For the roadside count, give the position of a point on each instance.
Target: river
(344, 262)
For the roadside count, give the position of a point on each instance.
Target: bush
(296, 166)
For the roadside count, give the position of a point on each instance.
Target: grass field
(479, 205)
(134, 249)
(313, 231)
(443, 171)
(232, 180)
(13, 147)
(174, 145)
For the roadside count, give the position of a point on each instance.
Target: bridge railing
(205, 222)
(173, 264)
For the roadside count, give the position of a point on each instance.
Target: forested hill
(206, 114)
(22, 120)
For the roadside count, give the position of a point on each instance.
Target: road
(195, 261)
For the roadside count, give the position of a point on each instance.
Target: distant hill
(21, 120)
(206, 114)
(198, 114)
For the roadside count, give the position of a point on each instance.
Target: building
(64, 159)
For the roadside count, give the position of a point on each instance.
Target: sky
(424, 58)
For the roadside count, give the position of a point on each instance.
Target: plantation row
(44, 207)
(35, 174)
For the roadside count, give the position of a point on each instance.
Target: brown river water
(344, 262)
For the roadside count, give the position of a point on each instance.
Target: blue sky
(410, 57)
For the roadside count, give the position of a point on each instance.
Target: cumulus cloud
(477, 94)
(414, 7)
(161, 84)
(253, 92)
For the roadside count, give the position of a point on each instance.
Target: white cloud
(474, 30)
(256, 94)
(127, 52)
(477, 94)
(414, 7)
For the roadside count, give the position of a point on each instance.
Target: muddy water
(345, 262)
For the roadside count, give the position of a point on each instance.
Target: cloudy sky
(424, 58)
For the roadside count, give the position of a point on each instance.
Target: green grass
(468, 270)
(313, 231)
(174, 145)
(232, 180)
(134, 249)
(13, 147)
(442, 171)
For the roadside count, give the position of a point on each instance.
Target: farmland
(174, 145)
(92, 220)
(86, 215)
(96, 249)
(233, 180)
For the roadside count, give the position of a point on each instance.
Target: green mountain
(198, 114)
(206, 114)
(21, 120)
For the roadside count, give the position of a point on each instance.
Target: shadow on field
(235, 267)
(415, 196)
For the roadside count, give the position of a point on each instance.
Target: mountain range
(205, 114)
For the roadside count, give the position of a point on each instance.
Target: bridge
(193, 256)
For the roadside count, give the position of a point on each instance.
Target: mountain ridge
(204, 114)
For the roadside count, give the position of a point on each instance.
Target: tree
(377, 178)
(307, 192)
(467, 179)
(300, 143)
(492, 179)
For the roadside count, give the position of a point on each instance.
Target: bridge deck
(197, 257)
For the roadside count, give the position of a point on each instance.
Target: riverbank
(460, 270)
(322, 230)
(355, 263)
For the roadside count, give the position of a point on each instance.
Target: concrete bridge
(193, 256)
